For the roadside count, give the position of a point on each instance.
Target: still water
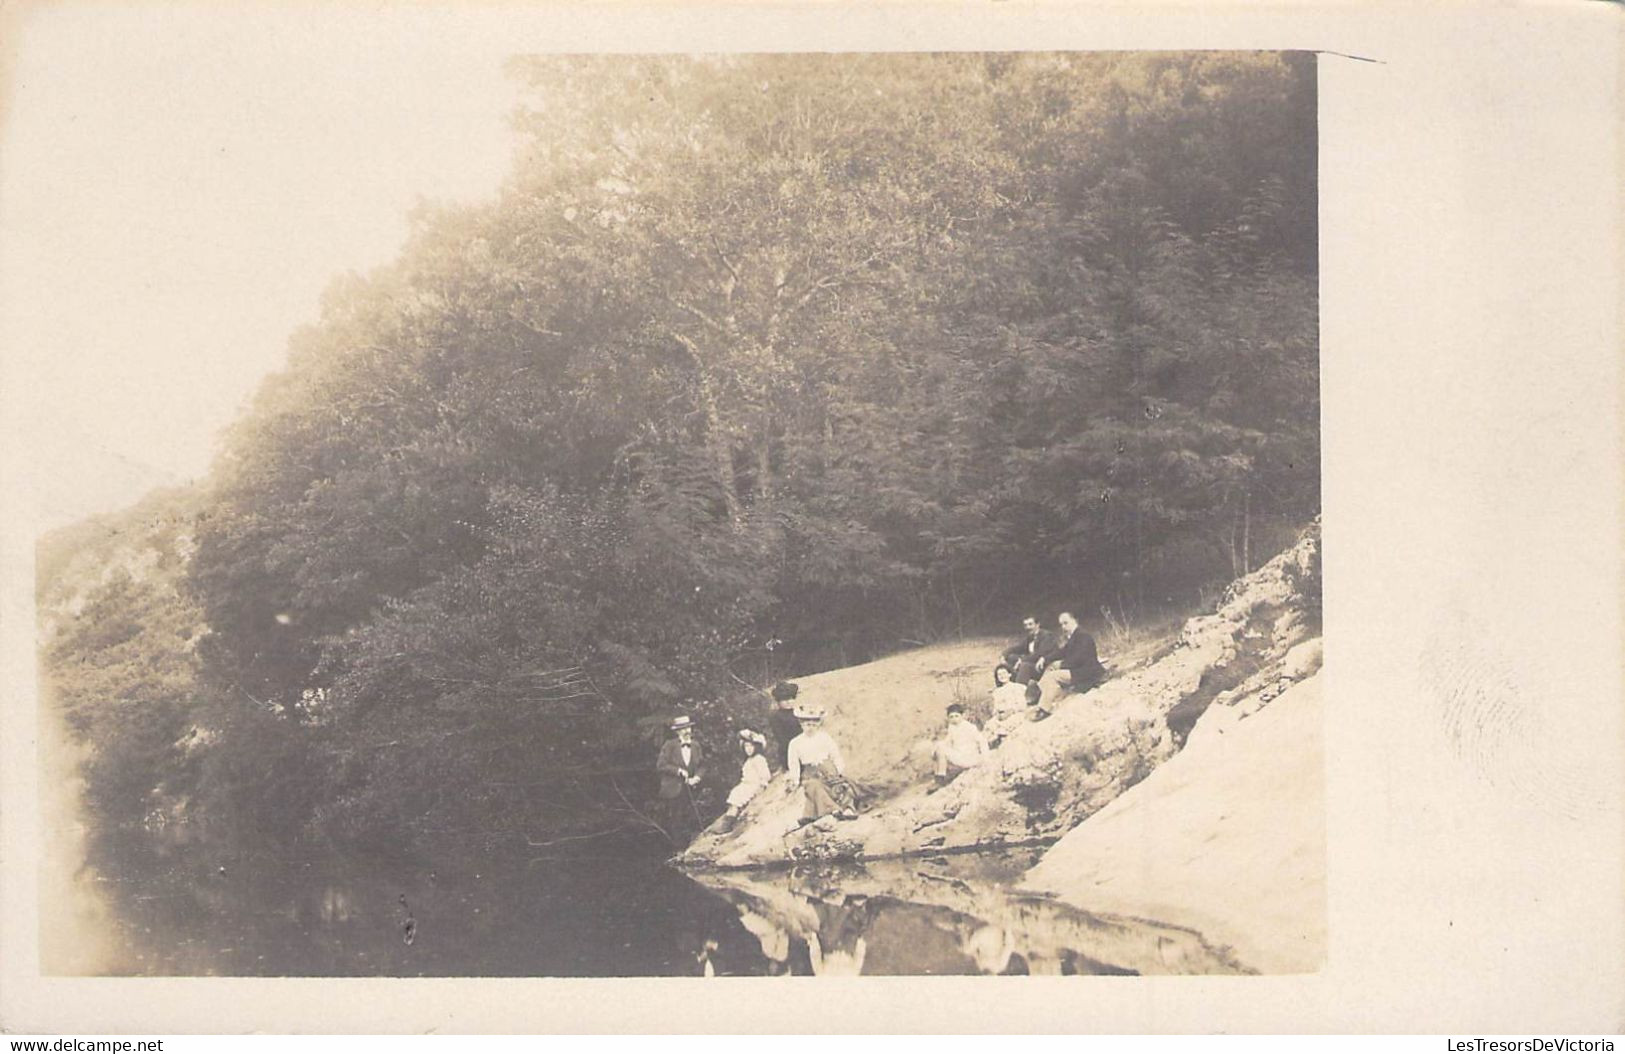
(180, 906)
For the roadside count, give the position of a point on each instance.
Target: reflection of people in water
(1045, 964)
(723, 940)
(808, 922)
(989, 947)
(815, 765)
(774, 940)
(707, 949)
(836, 962)
(839, 946)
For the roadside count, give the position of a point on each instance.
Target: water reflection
(182, 904)
(945, 915)
(185, 904)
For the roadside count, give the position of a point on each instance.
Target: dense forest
(757, 365)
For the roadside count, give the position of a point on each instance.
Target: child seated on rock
(753, 776)
(961, 747)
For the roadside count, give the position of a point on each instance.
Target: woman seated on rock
(816, 767)
(753, 776)
(1011, 701)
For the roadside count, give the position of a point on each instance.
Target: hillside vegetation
(757, 366)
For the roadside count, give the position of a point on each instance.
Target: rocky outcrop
(1048, 776)
(1227, 839)
(148, 543)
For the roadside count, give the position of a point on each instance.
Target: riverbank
(1185, 792)
(1048, 776)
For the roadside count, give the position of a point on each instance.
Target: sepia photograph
(1032, 517)
(819, 514)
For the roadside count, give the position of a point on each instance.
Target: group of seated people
(1065, 658)
(810, 756)
(1032, 672)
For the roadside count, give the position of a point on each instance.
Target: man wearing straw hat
(681, 767)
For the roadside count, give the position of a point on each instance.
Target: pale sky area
(176, 192)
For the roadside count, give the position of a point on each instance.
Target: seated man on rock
(1024, 658)
(961, 747)
(1073, 663)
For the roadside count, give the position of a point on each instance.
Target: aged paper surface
(1471, 355)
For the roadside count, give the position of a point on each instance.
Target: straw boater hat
(809, 712)
(682, 721)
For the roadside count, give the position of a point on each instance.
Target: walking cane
(689, 790)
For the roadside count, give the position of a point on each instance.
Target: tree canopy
(829, 349)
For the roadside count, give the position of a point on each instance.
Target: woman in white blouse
(816, 767)
(753, 776)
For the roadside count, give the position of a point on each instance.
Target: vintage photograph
(801, 514)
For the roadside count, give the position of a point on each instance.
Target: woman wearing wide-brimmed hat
(753, 776)
(816, 767)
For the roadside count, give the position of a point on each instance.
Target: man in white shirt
(961, 747)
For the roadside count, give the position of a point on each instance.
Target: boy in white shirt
(961, 747)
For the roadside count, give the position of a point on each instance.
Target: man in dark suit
(1073, 662)
(681, 767)
(1024, 658)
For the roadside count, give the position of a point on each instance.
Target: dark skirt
(826, 791)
